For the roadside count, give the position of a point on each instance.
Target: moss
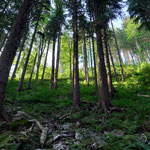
(19, 123)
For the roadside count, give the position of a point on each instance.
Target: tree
(45, 62)
(83, 27)
(28, 55)
(19, 55)
(40, 54)
(57, 61)
(61, 19)
(103, 85)
(10, 49)
(95, 72)
(91, 58)
(76, 90)
(53, 63)
(103, 11)
(86, 60)
(53, 28)
(29, 82)
(139, 10)
(113, 64)
(119, 55)
(109, 76)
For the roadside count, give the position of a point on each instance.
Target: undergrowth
(121, 129)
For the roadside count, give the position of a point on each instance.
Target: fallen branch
(38, 124)
(65, 115)
(20, 115)
(44, 131)
(116, 109)
(148, 96)
(43, 135)
(30, 129)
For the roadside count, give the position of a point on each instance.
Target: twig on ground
(65, 115)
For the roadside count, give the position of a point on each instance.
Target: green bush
(144, 77)
(130, 71)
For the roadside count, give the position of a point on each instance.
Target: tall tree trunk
(29, 82)
(39, 61)
(58, 59)
(91, 57)
(120, 60)
(28, 56)
(109, 77)
(53, 64)
(10, 49)
(20, 52)
(103, 85)
(113, 64)
(76, 90)
(95, 72)
(85, 61)
(45, 62)
(22, 62)
(70, 47)
(41, 45)
(3, 42)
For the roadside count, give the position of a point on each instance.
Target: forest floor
(126, 127)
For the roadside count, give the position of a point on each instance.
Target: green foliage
(139, 10)
(6, 139)
(144, 77)
(120, 129)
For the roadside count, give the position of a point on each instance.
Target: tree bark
(76, 90)
(39, 61)
(120, 60)
(29, 82)
(103, 85)
(10, 49)
(109, 77)
(28, 56)
(3, 42)
(42, 79)
(85, 61)
(20, 52)
(95, 72)
(113, 64)
(70, 47)
(58, 59)
(91, 57)
(53, 64)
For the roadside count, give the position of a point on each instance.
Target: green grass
(134, 119)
